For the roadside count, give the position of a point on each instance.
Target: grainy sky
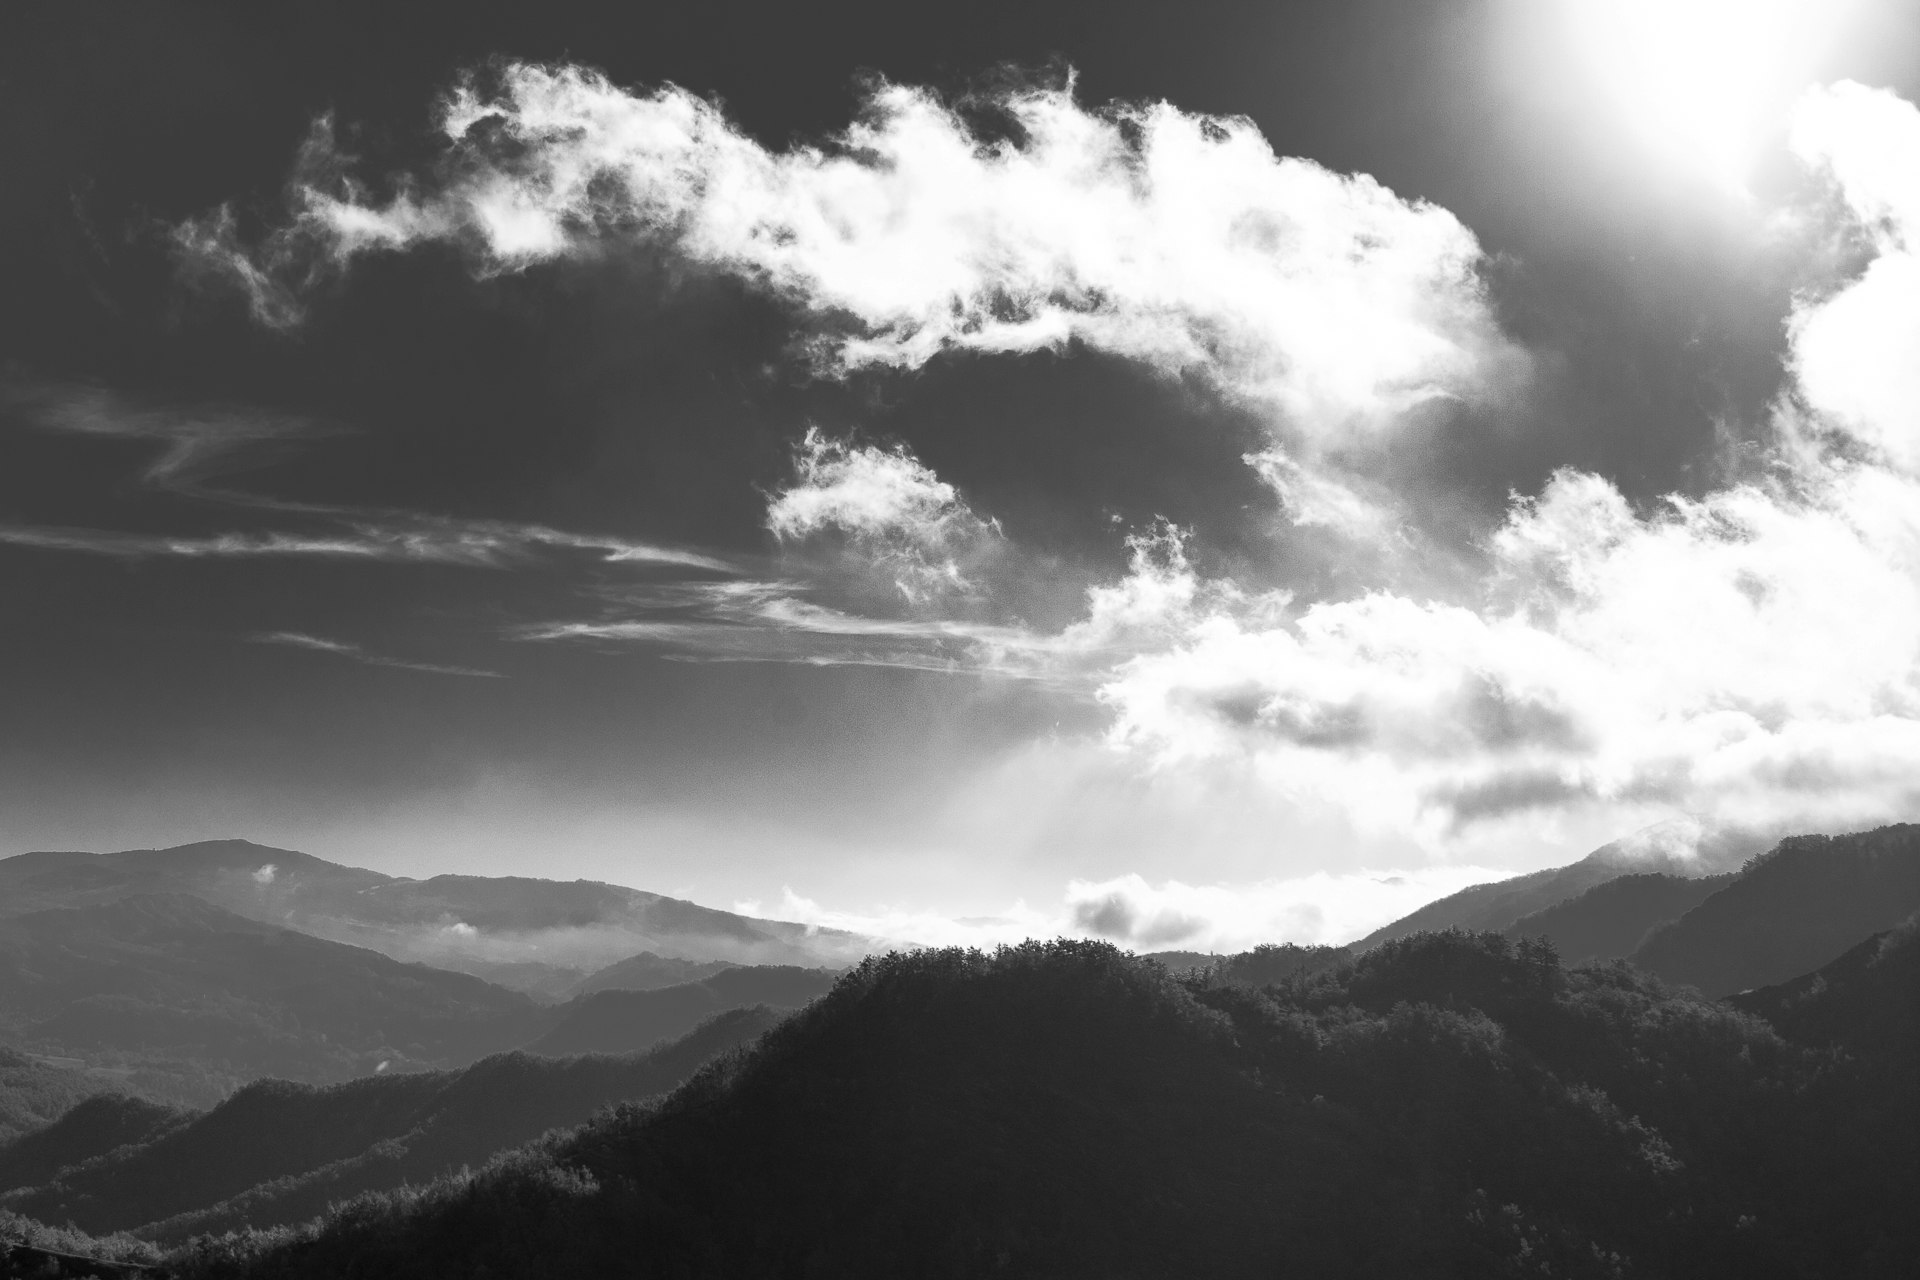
(1198, 474)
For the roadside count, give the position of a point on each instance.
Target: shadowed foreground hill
(1450, 1105)
(278, 1152)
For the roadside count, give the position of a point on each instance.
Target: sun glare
(1705, 82)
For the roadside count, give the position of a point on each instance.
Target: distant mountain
(277, 1152)
(1446, 1105)
(1614, 917)
(1790, 911)
(622, 1021)
(537, 935)
(173, 976)
(89, 1129)
(1498, 904)
(646, 972)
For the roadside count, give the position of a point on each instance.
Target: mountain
(1790, 911)
(1866, 1002)
(1614, 917)
(1498, 904)
(91, 1128)
(1861, 1014)
(1445, 1105)
(175, 977)
(277, 1152)
(536, 935)
(620, 1021)
(1680, 848)
(34, 1091)
(646, 972)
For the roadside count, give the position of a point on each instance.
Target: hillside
(623, 1021)
(1867, 1001)
(1448, 1105)
(278, 1152)
(535, 935)
(1614, 917)
(34, 1092)
(646, 972)
(91, 1128)
(1790, 911)
(173, 977)
(1498, 904)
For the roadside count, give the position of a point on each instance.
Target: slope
(1446, 1105)
(278, 1152)
(646, 972)
(538, 935)
(90, 1128)
(1614, 917)
(173, 976)
(1791, 911)
(622, 1021)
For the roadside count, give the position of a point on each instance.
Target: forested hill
(1791, 911)
(278, 1152)
(1443, 1106)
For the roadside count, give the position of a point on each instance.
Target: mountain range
(1784, 913)
(277, 1152)
(540, 936)
(1444, 1105)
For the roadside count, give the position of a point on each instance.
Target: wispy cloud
(196, 444)
(477, 544)
(358, 653)
(193, 444)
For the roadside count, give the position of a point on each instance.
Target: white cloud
(1316, 909)
(1750, 656)
(902, 520)
(1177, 240)
(1854, 351)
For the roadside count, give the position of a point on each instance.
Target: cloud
(196, 443)
(1322, 908)
(1749, 655)
(476, 544)
(1853, 351)
(1710, 655)
(1177, 240)
(346, 649)
(900, 518)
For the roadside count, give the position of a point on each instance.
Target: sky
(1193, 475)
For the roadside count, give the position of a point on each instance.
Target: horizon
(1190, 480)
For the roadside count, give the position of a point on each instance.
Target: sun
(1705, 83)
